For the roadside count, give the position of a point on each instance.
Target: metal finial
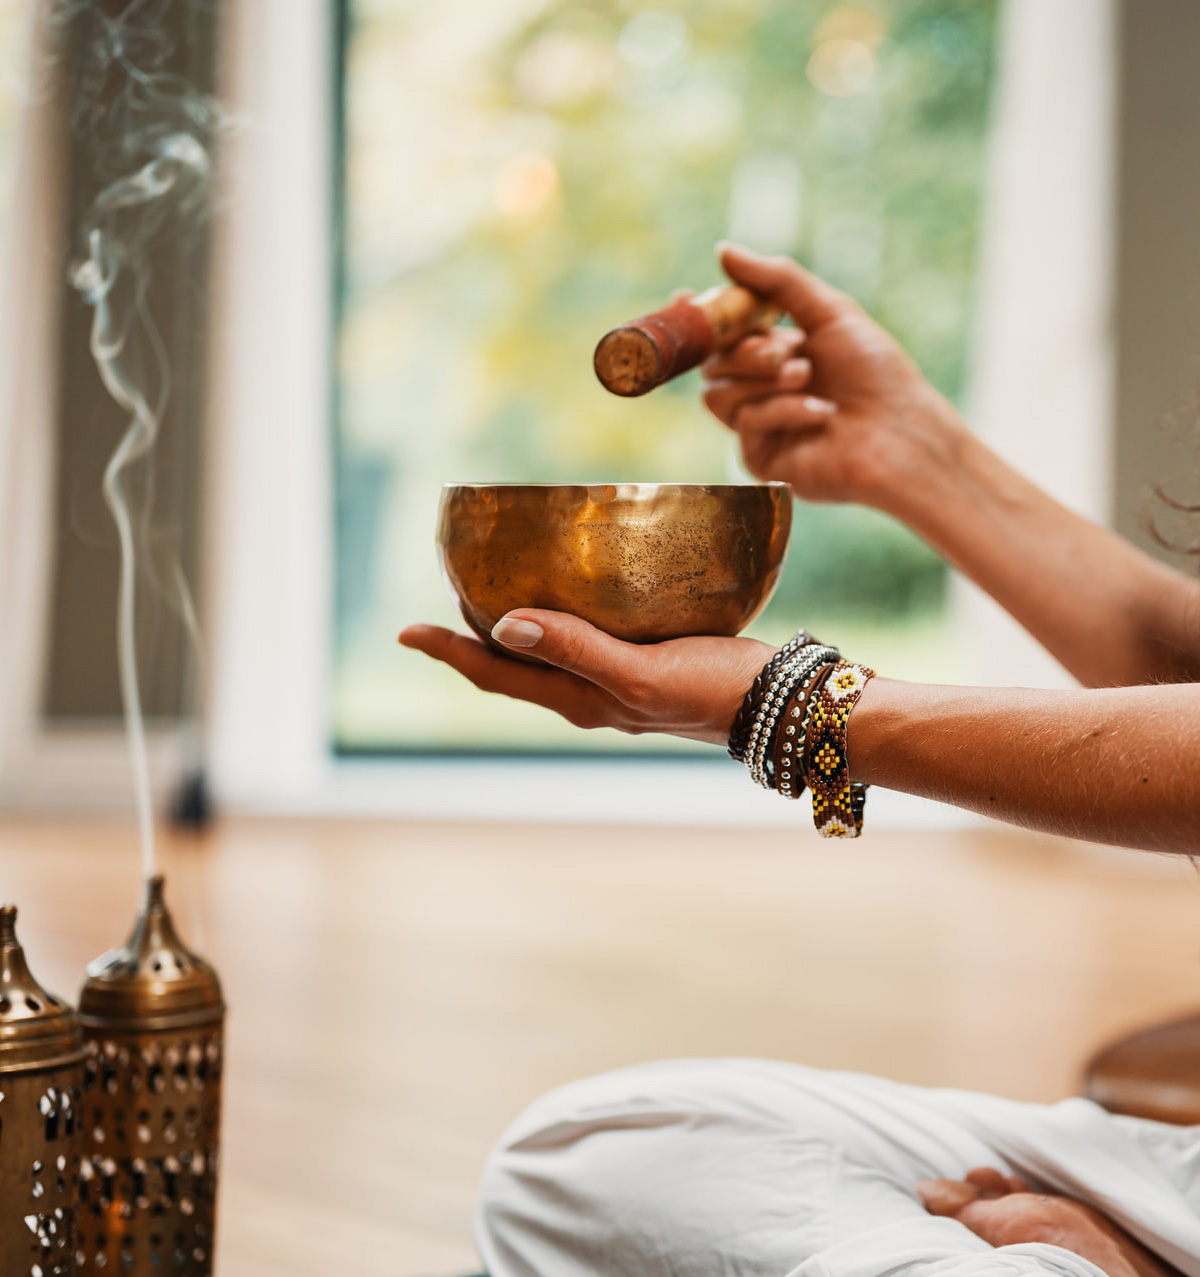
(8, 925)
(153, 977)
(154, 892)
(37, 1029)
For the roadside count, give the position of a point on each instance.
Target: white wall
(1042, 382)
(269, 516)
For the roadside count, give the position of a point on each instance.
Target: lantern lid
(153, 981)
(37, 1029)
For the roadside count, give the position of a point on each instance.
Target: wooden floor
(398, 992)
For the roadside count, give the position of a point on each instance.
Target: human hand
(835, 407)
(689, 687)
(1005, 1211)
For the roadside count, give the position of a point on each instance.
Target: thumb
(571, 644)
(807, 298)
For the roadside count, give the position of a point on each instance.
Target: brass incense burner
(41, 1077)
(642, 561)
(152, 1015)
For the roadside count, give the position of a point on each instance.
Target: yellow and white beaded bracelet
(837, 802)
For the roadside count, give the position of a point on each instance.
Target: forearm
(1111, 614)
(1115, 765)
(848, 416)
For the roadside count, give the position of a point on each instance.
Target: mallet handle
(642, 354)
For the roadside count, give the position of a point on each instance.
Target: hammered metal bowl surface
(642, 561)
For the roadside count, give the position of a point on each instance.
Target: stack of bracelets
(791, 731)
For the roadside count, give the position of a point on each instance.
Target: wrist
(951, 481)
(918, 461)
(876, 719)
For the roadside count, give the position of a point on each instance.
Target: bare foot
(1004, 1212)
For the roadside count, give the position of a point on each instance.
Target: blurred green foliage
(522, 176)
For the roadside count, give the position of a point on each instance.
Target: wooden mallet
(644, 353)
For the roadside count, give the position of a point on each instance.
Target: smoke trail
(150, 137)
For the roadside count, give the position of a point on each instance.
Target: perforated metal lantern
(152, 1015)
(41, 1076)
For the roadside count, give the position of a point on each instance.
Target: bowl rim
(623, 485)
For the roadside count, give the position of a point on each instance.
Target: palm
(688, 687)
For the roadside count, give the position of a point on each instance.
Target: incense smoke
(149, 137)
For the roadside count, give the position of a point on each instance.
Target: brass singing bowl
(642, 561)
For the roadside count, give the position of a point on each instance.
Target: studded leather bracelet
(739, 734)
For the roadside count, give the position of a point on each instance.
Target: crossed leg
(700, 1168)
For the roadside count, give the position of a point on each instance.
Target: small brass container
(41, 1079)
(642, 561)
(152, 1015)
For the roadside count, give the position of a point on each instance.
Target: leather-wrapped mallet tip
(627, 361)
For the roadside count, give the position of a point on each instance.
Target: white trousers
(752, 1168)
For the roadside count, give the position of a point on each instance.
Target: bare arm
(1115, 765)
(843, 414)
(1111, 614)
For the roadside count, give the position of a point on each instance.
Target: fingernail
(813, 404)
(514, 633)
(795, 370)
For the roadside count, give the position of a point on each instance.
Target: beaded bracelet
(787, 755)
(838, 802)
(739, 733)
(762, 735)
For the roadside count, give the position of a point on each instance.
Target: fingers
(790, 413)
(946, 1196)
(989, 1181)
(725, 396)
(491, 671)
(982, 1184)
(571, 644)
(775, 454)
(759, 355)
(993, 1183)
(809, 300)
(425, 638)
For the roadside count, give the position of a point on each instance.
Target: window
(518, 178)
(276, 697)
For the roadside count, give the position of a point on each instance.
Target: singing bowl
(642, 561)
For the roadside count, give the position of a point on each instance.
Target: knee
(655, 1170)
(558, 1180)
